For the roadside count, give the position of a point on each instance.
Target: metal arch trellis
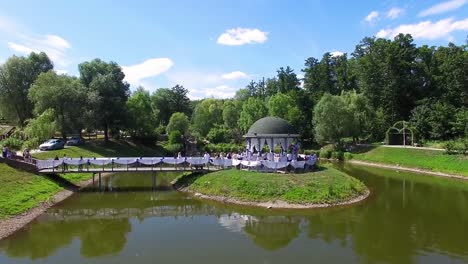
(401, 127)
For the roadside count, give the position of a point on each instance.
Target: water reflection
(409, 218)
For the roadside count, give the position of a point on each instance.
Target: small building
(270, 131)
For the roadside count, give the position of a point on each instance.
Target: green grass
(21, 191)
(100, 148)
(432, 160)
(325, 186)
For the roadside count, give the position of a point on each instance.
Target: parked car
(52, 144)
(73, 141)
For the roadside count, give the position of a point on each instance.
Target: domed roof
(271, 126)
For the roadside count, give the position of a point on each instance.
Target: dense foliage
(356, 96)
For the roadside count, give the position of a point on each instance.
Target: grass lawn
(415, 158)
(100, 148)
(21, 190)
(327, 185)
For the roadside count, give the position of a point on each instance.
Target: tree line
(357, 96)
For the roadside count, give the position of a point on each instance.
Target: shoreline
(11, 225)
(274, 204)
(415, 170)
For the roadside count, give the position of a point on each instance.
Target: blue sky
(213, 47)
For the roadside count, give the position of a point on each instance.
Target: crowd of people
(258, 156)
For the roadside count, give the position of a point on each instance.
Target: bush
(173, 148)
(348, 156)
(449, 147)
(219, 134)
(338, 155)
(12, 143)
(175, 137)
(31, 143)
(224, 147)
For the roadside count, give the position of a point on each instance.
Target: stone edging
(386, 166)
(274, 204)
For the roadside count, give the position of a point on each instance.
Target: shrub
(449, 147)
(339, 155)
(31, 143)
(348, 156)
(219, 134)
(12, 143)
(175, 137)
(173, 148)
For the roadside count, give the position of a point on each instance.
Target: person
(56, 157)
(179, 155)
(4, 152)
(65, 165)
(80, 164)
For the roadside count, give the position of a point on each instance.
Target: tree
(62, 93)
(332, 119)
(42, 127)
(17, 74)
(142, 119)
(230, 114)
(252, 110)
(284, 106)
(287, 80)
(169, 101)
(361, 114)
(207, 114)
(106, 80)
(178, 122)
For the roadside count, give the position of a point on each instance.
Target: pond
(409, 218)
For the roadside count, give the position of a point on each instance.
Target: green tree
(17, 74)
(65, 95)
(284, 106)
(252, 110)
(42, 127)
(142, 119)
(230, 114)
(178, 122)
(286, 80)
(332, 119)
(106, 81)
(207, 114)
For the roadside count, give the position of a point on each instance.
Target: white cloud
(426, 29)
(394, 12)
(336, 53)
(135, 74)
(206, 84)
(53, 45)
(222, 92)
(442, 7)
(241, 36)
(61, 71)
(234, 75)
(372, 16)
(21, 48)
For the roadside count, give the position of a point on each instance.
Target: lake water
(409, 218)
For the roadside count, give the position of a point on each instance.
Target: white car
(52, 144)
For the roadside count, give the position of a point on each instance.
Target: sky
(213, 48)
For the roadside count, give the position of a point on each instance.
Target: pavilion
(270, 131)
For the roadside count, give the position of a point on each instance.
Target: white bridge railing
(153, 161)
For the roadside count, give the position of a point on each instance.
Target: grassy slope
(416, 158)
(21, 190)
(99, 149)
(325, 186)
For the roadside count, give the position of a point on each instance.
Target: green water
(409, 218)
